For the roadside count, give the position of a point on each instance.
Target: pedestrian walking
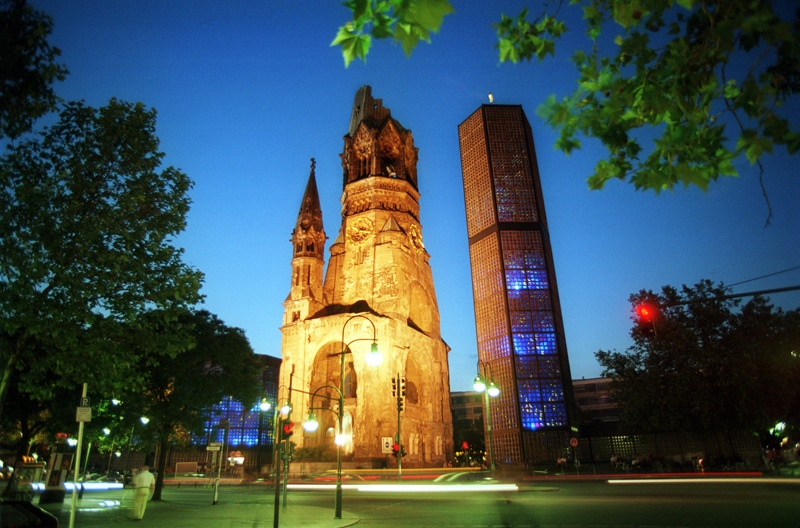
(143, 484)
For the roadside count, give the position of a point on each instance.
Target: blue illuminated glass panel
(551, 390)
(527, 367)
(537, 279)
(541, 393)
(532, 416)
(542, 322)
(529, 390)
(546, 344)
(521, 321)
(515, 280)
(244, 425)
(539, 300)
(523, 344)
(549, 367)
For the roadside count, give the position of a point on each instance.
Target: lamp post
(373, 359)
(284, 411)
(311, 425)
(263, 406)
(485, 384)
(107, 431)
(145, 420)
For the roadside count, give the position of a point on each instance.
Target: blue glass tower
(520, 333)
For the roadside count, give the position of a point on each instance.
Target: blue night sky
(248, 91)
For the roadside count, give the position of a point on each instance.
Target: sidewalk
(231, 511)
(166, 514)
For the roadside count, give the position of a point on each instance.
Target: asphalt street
(723, 503)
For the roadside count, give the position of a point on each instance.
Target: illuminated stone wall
(378, 276)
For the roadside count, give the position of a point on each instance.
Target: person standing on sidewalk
(143, 483)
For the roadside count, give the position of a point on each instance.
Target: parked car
(16, 513)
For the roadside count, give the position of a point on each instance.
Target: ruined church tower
(378, 285)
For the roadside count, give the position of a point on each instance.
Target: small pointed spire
(309, 234)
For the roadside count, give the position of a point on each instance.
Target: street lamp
(311, 425)
(485, 384)
(373, 359)
(284, 411)
(145, 420)
(107, 431)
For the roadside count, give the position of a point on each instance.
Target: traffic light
(464, 445)
(287, 429)
(399, 404)
(394, 387)
(398, 450)
(646, 315)
(645, 312)
(403, 387)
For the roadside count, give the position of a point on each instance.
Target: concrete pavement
(169, 514)
(233, 510)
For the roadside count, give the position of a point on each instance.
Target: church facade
(377, 288)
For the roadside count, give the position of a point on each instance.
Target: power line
(733, 296)
(763, 276)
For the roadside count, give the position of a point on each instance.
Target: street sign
(83, 414)
(214, 446)
(386, 444)
(85, 402)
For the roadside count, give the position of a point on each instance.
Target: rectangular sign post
(83, 414)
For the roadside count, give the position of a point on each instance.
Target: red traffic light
(398, 450)
(464, 445)
(645, 312)
(288, 429)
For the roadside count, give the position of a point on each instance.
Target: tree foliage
(706, 363)
(87, 215)
(405, 21)
(675, 90)
(28, 67)
(176, 391)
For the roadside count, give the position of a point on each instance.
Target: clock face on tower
(359, 230)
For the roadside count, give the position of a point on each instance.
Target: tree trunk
(8, 370)
(161, 463)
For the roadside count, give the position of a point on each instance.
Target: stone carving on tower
(378, 283)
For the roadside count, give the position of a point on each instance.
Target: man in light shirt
(143, 483)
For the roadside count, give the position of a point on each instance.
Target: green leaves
(676, 113)
(28, 68)
(354, 45)
(520, 39)
(89, 216)
(404, 21)
(675, 90)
